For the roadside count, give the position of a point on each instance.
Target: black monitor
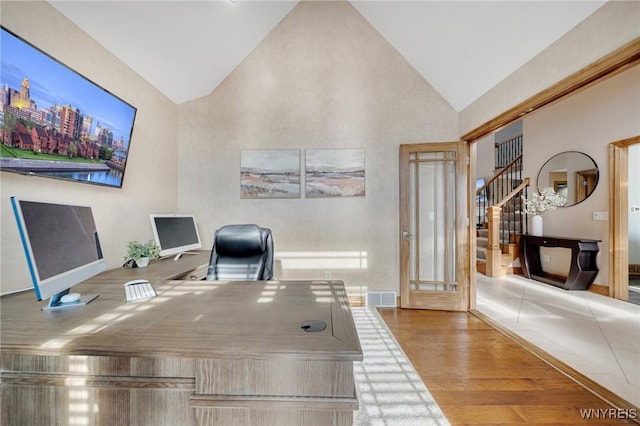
(62, 248)
(175, 234)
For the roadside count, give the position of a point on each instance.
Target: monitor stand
(179, 255)
(55, 303)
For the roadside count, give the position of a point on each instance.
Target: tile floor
(596, 335)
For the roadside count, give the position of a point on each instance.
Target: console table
(583, 268)
(200, 353)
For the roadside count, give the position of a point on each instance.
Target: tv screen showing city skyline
(56, 123)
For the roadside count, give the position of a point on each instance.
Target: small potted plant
(141, 253)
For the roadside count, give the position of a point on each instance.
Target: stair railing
(506, 186)
(497, 187)
(497, 238)
(507, 150)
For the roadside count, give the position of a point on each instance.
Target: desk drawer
(542, 241)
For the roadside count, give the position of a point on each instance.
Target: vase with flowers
(540, 202)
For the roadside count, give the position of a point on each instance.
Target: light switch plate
(600, 215)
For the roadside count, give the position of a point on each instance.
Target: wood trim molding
(471, 228)
(626, 142)
(613, 63)
(619, 217)
(602, 290)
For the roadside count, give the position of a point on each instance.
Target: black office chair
(241, 253)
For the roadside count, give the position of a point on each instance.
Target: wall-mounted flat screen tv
(56, 123)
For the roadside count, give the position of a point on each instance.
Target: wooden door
(434, 262)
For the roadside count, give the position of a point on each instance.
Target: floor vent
(387, 299)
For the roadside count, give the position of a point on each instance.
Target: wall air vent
(384, 299)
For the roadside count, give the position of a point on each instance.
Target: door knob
(406, 234)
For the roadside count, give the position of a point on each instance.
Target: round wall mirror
(572, 174)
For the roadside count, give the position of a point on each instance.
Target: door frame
(463, 274)
(619, 217)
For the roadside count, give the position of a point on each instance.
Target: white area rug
(390, 391)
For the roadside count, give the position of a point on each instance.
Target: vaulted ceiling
(462, 48)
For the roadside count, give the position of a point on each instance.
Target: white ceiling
(462, 48)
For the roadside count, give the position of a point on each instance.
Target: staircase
(499, 220)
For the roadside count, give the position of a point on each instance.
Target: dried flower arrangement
(546, 200)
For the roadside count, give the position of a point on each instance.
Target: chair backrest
(241, 253)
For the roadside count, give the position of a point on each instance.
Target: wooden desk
(583, 269)
(200, 353)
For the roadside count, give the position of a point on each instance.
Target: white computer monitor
(175, 234)
(62, 248)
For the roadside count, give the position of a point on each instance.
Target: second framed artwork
(275, 173)
(334, 173)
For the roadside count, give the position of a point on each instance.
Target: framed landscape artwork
(334, 173)
(270, 173)
(56, 123)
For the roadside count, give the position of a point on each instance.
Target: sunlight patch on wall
(292, 260)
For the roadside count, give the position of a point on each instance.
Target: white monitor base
(84, 300)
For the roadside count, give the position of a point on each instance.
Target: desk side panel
(79, 389)
(285, 377)
(66, 405)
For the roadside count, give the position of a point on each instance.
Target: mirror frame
(595, 166)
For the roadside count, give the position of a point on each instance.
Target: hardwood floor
(478, 376)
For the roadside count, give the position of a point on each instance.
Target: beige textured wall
(585, 122)
(150, 180)
(610, 27)
(323, 78)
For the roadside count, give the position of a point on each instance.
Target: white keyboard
(138, 290)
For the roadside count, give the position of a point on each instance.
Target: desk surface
(186, 319)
